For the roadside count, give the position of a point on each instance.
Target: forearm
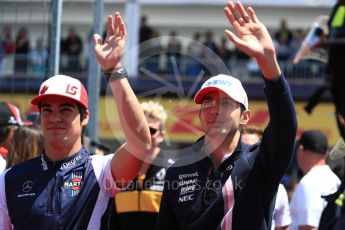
(132, 119)
(128, 159)
(269, 65)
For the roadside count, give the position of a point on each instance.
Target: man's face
(157, 135)
(60, 121)
(301, 158)
(219, 114)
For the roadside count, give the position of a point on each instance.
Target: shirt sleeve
(5, 221)
(281, 214)
(101, 165)
(277, 145)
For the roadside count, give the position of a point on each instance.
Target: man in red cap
(64, 188)
(10, 118)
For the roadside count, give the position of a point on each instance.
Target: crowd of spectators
(174, 55)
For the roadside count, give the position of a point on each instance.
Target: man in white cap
(222, 183)
(64, 188)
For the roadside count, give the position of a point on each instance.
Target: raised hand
(110, 53)
(252, 37)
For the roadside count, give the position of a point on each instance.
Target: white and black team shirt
(69, 194)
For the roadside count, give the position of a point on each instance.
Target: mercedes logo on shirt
(27, 186)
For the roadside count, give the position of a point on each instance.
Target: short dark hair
(4, 131)
(242, 108)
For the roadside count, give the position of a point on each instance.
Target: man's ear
(85, 121)
(245, 117)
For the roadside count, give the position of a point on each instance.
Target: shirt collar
(66, 163)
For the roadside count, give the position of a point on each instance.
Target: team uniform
(307, 204)
(241, 193)
(68, 194)
(281, 213)
(138, 206)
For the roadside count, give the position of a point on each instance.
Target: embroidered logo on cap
(219, 82)
(44, 89)
(71, 89)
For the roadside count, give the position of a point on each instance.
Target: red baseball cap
(10, 115)
(63, 86)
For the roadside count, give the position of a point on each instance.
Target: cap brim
(200, 95)
(38, 99)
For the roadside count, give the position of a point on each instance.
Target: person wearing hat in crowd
(10, 119)
(223, 183)
(306, 203)
(64, 188)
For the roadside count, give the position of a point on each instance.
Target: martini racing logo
(75, 182)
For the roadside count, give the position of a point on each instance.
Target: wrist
(269, 67)
(115, 73)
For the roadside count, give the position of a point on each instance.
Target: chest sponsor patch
(26, 190)
(188, 184)
(74, 183)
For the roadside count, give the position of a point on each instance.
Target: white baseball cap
(63, 86)
(227, 84)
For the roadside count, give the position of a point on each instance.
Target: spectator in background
(210, 48)
(281, 219)
(38, 57)
(146, 31)
(22, 51)
(210, 44)
(283, 38)
(27, 142)
(306, 204)
(173, 53)
(151, 53)
(333, 216)
(6, 47)
(72, 47)
(10, 119)
(242, 60)
(224, 52)
(251, 134)
(147, 187)
(195, 53)
(297, 41)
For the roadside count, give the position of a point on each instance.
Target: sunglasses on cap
(153, 131)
